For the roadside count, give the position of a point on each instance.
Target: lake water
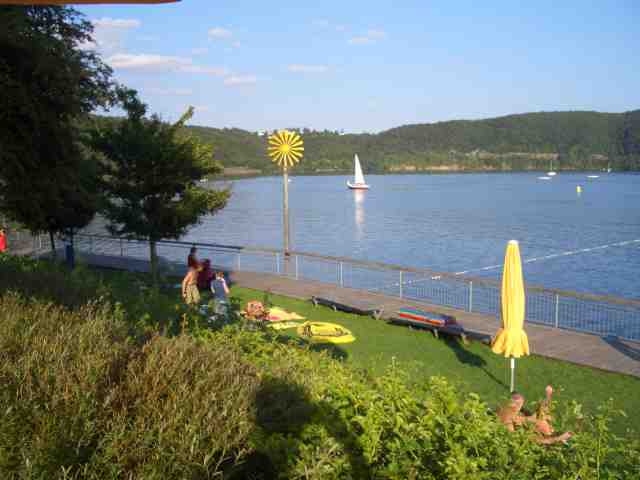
(588, 242)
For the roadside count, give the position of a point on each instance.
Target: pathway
(581, 348)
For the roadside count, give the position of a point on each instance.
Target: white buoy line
(529, 260)
(557, 255)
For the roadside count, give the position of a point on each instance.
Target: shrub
(184, 412)
(49, 281)
(142, 305)
(57, 369)
(82, 400)
(335, 423)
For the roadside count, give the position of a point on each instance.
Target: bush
(184, 412)
(142, 304)
(49, 281)
(82, 400)
(318, 419)
(57, 370)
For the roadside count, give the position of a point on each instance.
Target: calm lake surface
(453, 223)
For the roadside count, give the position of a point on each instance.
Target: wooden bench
(436, 322)
(359, 307)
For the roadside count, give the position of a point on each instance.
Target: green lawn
(473, 368)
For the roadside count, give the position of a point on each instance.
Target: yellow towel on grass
(277, 314)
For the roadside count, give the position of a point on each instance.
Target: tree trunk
(70, 253)
(154, 261)
(53, 244)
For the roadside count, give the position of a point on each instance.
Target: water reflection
(358, 197)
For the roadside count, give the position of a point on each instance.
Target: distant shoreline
(240, 173)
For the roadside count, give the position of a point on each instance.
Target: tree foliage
(149, 174)
(46, 83)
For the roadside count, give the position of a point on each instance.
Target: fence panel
(570, 310)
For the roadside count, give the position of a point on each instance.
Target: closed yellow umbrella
(511, 340)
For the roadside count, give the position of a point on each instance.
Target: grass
(139, 385)
(471, 368)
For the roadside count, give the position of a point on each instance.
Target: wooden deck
(581, 348)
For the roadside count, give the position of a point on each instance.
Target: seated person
(205, 276)
(510, 415)
(255, 311)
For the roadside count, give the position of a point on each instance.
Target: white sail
(358, 177)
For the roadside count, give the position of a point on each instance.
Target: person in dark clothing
(206, 275)
(192, 260)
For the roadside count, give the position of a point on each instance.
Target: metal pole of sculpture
(286, 149)
(285, 209)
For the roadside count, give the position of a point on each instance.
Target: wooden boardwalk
(581, 348)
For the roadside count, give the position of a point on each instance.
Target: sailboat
(551, 173)
(358, 178)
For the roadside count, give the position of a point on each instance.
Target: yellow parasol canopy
(511, 340)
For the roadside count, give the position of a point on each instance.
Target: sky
(367, 66)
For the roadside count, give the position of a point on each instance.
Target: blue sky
(371, 65)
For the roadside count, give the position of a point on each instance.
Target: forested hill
(530, 141)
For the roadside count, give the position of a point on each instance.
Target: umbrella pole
(513, 374)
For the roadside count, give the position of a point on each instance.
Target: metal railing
(598, 314)
(23, 242)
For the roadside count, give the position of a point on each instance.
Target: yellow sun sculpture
(285, 148)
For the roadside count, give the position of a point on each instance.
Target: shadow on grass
(467, 357)
(464, 356)
(285, 408)
(331, 349)
(632, 352)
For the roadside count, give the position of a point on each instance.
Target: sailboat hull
(357, 186)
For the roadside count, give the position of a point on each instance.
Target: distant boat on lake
(593, 176)
(544, 178)
(358, 177)
(551, 173)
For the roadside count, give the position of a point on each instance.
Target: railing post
(400, 283)
(340, 269)
(296, 257)
(121, 248)
(277, 263)
(557, 321)
(91, 244)
(237, 262)
(470, 296)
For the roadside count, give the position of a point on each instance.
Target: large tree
(150, 176)
(47, 82)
